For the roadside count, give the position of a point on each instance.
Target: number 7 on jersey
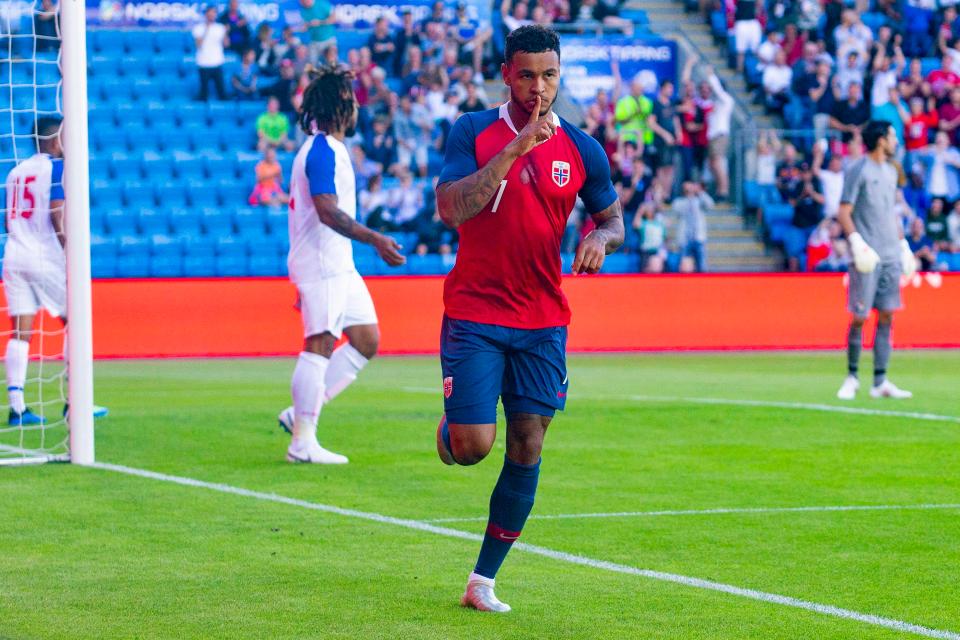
(496, 201)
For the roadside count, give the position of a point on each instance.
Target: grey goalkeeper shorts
(879, 290)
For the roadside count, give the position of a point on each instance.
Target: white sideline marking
(828, 610)
(933, 417)
(710, 512)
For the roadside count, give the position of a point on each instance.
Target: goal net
(36, 271)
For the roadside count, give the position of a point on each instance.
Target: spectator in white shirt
(718, 133)
(211, 37)
(516, 16)
(776, 82)
(768, 49)
(405, 201)
(886, 70)
(852, 34)
(831, 178)
(850, 72)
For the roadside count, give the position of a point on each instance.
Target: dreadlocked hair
(328, 99)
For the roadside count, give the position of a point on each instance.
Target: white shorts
(329, 305)
(29, 290)
(748, 35)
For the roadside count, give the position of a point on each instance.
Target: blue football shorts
(484, 363)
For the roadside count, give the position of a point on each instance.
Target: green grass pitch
(91, 553)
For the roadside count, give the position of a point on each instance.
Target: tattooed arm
(331, 215)
(461, 200)
(602, 241)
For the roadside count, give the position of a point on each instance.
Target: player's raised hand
(389, 250)
(537, 130)
(590, 255)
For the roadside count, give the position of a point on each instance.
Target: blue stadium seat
(114, 89)
(189, 167)
(157, 168)
(199, 260)
(266, 265)
(138, 193)
(185, 222)
(149, 89)
(120, 223)
(101, 119)
(133, 265)
(368, 265)
(774, 213)
(166, 259)
(108, 140)
(233, 192)
(47, 74)
(106, 198)
(621, 263)
(164, 121)
(201, 194)
(171, 194)
(172, 43)
(126, 170)
(129, 116)
(103, 263)
(204, 140)
(425, 265)
(177, 141)
(277, 221)
(141, 140)
(97, 222)
(107, 42)
(250, 222)
(100, 168)
(231, 258)
(192, 113)
(153, 222)
(216, 222)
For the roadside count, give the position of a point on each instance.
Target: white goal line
(773, 404)
(561, 556)
(719, 511)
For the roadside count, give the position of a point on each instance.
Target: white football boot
(887, 389)
(312, 452)
(848, 390)
(480, 596)
(286, 420)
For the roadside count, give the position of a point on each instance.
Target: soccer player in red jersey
(510, 179)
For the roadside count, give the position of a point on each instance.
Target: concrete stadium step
(749, 250)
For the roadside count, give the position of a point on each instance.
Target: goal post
(43, 74)
(76, 181)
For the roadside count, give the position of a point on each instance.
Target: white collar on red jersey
(505, 115)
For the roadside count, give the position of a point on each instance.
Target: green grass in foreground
(87, 553)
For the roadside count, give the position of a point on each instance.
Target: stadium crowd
(829, 66)
(412, 80)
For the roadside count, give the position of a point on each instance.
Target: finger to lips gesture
(537, 130)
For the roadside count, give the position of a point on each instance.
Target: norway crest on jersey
(560, 173)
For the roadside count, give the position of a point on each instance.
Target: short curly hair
(531, 38)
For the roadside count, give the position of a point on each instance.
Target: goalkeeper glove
(907, 258)
(865, 259)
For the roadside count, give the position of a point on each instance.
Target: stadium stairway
(668, 16)
(733, 247)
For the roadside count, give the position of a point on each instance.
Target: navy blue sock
(510, 504)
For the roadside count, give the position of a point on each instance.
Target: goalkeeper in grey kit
(880, 256)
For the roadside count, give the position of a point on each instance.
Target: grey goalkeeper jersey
(872, 190)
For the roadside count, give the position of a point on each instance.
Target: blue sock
(510, 504)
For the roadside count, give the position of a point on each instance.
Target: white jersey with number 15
(31, 238)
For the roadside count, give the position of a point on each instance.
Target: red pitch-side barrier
(256, 316)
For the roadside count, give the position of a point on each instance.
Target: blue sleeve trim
(597, 191)
(56, 180)
(321, 167)
(460, 157)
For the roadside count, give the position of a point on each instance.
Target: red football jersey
(508, 265)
